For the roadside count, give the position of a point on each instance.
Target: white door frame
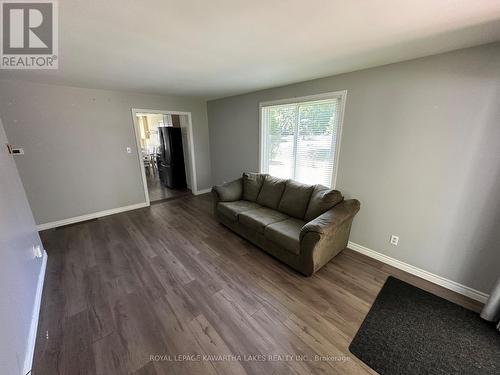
(135, 111)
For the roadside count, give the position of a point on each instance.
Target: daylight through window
(300, 140)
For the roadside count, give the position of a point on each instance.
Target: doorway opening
(164, 142)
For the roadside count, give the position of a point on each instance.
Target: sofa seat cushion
(232, 209)
(259, 218)
(286, 233)
(295, 199)
(271, 192)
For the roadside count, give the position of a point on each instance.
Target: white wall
(75, 141)
(19, 269)
(420, 150)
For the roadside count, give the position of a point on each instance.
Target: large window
(300, 139)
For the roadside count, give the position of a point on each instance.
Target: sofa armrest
(332, 219)
(228, 192)
(327, 235)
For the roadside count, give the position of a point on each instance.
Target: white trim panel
(30, 349)
(95, 215)
(426, 275)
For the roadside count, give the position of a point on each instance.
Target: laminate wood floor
(159, 290)
(158, 192)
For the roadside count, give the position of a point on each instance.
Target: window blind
(300, 140)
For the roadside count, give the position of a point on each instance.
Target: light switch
(37, 251)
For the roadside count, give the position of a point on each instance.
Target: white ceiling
(216, 48)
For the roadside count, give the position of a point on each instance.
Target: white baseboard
(203, 191)
(426, 275)
(30, 349)
(95, 215)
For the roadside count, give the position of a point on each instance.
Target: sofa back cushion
(252, 183)
(271, 192)
(322, 199)
(295, 199)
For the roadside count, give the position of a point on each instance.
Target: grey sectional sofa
(302, 225)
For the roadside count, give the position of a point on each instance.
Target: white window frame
(341, 95)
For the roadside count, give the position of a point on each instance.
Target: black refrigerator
(171, 158)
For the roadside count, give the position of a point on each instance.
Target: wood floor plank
(291, 345)
(148, 369)
(76, 356)
(73, 274)
(110, 355)
(139, 329)
(324, 347)
(168, 290)
(232, 327)
(101, 319)
(212, 344)
(186, 352)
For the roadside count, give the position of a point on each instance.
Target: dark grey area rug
(410, 331)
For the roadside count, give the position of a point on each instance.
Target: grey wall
(19, 269)
(420, 150)
(75, 141)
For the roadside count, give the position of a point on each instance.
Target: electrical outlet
(394, 240)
